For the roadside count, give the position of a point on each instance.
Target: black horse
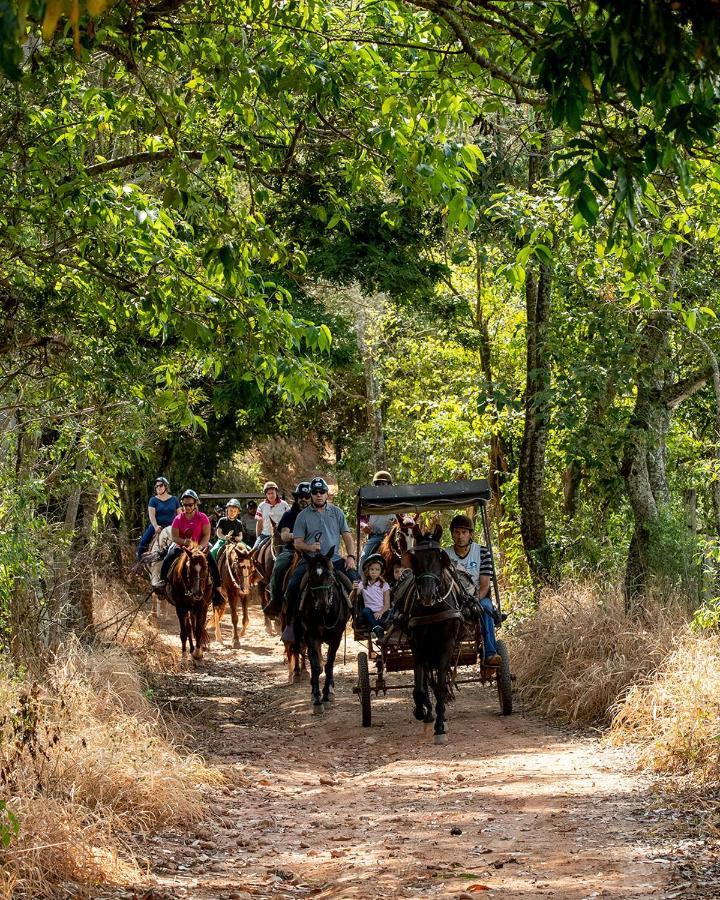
(434, 621)
(321, 619)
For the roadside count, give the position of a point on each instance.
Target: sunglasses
(159, 484)
(188, 505)
(319, 492)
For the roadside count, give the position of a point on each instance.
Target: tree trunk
(372, 404)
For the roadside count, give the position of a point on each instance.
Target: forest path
(317, 806)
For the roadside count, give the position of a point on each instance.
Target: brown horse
(263, 560)
(399, 540)
(235, 566)
(189, 589)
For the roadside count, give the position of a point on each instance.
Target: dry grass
(86, 762)
(579, 654)
(675, 713)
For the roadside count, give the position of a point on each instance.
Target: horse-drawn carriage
(395, 651)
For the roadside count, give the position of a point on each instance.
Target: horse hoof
(236, 644)
(441, 739)
(318, 709)
(326, 702)
(197, 654)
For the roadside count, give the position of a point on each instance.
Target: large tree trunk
(372, 403)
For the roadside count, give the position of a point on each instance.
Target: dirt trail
(319, 806)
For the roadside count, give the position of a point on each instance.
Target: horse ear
(417, 531)
(330, 553)
(437, 532)
(400, 519)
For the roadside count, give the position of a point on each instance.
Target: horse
(150, 564)
(263, 561)
(321, 619)
(399, 540)
(190, 589)
(434, 622)
(234, 566)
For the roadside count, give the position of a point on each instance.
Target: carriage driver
(318, 529)
(377, 526)
(476, 562)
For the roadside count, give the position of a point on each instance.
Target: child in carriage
(375, 593)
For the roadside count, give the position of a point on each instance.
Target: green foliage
(9, 825)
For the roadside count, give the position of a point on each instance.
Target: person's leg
(218, 598)
(371, 546)
(367, 617)
(216, 548)
(172, 555)
(282, 563)
(340, 566)
(145, 540)
(293, 600)
(487, 623)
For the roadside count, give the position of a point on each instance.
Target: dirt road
(319, 806)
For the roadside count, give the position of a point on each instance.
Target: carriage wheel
(504, 680)
(364, 685)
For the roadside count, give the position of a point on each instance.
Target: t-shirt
(191, 528)
(373, 595)
(329, 525)
(268, 514)
(288, 521)
(230, 526)
(248, 526)
(476, 562)
(165, 510)
(380, 524)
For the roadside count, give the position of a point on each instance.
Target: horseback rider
(229, 527)
(248, 522)
(377, 526)
(269, 513)
(191, 525)
(476, 562)
(162, 509)
(285, 555)
(318, 529)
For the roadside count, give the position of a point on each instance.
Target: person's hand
(350, 556)
(315, 547)
(356, 585)
(158, 529)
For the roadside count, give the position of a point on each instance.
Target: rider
(375, 592)
(162, 508)
(476, 561)
(284, 559)
(229, 527)
(377, 526)
(269, 513)
(248, 521)
(191, 525)
(318, 529)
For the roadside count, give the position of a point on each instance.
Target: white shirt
(271, 514)
(476, 562)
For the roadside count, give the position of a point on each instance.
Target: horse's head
(428, 561)
(321, 579)
(195, 570)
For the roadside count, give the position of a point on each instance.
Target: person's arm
(220, 533)
(349, 546)
(286, 535)
(258, 524)
(176, 537)
(483, 586)
(300, 542)
(205, 539)
(386, 601)
(151, 516)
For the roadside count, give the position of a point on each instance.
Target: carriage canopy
(397, 498)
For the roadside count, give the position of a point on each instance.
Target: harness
(447, 610)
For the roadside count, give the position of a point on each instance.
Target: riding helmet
(191, 494)
(374, 558)
(382, 475)
(462, 522)
(268, 485)
(164, 481)
(317, 485)
(302, 490)
(234, 503)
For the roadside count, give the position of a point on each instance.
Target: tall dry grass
(87, 763)
(582, 661)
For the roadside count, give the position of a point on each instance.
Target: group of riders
(312, 525)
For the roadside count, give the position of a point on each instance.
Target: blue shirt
(327, 527)
(165, 510)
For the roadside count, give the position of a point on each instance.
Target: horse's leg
(218, 613)
(313, 647)
(183, 632)
(289, 656)
(196, 622)
(423, 709)
(329, 686)
(441, 693)
(246, 616)
(234, 597)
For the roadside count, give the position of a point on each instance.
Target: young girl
(375, 593)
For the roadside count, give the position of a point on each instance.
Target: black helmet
(251, 504)
(374, 558)
(318, 485)
(191, 494)
(462, 522)
(302, 490)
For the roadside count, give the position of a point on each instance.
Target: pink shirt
(373, 595)
(191, 528)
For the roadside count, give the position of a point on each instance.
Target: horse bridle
(432, 545)
(189, 591)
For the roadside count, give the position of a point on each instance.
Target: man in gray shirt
(318, 529)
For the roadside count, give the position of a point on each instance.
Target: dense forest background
(451, 238)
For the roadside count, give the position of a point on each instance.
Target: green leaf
(587, 205)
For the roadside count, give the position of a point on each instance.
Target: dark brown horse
(399, 540)
(189, 589)
(263, 561)
(434, 621)
(235, 566)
